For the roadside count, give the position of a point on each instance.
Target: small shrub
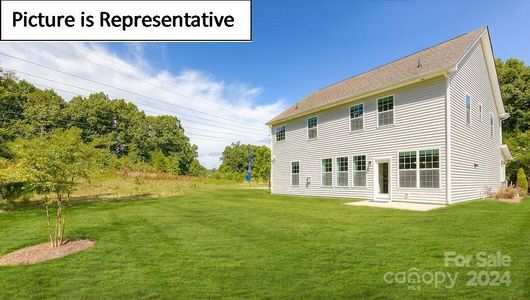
(507, 192)
(522, 182)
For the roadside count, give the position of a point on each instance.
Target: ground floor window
(327, 169)
(421, 167)
(407, 169)
(342, 171)
(430, 168)
(359, 170)
(295, 173)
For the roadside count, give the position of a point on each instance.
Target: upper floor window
(429, 168)
(312, 124)
(327, 169)
(359, 170)
(385, 111)
(491, 126)
(342, 171)
(295, 173)
(280, 133)
(356, 117)
(468, 109)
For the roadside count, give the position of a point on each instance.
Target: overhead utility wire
(149, 83)
(245, 129)
(117, 88)
(186, 126)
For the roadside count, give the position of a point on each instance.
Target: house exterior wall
(419, 123)
(472, 144)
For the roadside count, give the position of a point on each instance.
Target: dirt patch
(34, 254)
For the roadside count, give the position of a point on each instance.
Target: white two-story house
(425, 128)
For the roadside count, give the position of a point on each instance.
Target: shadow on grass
(21, 205)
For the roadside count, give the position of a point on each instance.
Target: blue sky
(300, 46)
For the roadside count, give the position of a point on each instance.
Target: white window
(429, 168)
(468, 109)
(312, 124)
(407, 169)
(480, 112)
(491, 125)
(422, 166)
(356, 117)
(359, 170)
(280, 133)
(327, 169)
(295, 173)
(385, 111)
(342, 171)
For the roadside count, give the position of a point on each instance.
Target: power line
(190, 133)
(120, 89)
(149, 83)
(246, 130)
(212, 138)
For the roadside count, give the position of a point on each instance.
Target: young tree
(54, 164)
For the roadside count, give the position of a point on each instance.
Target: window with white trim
(407, 169)
(359, 170)
(480, 112)
(491, 126)
(468, 109)
(419, 168)
(295, 173)
(312, 124)
(385, 111)
(429, 168)
(327, 169)
(342, 171)
(356, 117)
(280, 133)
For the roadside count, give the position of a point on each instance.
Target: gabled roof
(430, 61)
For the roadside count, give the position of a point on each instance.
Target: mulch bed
(34, 254)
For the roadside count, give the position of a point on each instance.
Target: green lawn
(249, 244)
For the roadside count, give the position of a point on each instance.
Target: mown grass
(234, 243)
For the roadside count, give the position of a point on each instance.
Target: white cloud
(230, 111)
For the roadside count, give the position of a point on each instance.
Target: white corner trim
(448, 138)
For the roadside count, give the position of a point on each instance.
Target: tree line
(514, 80)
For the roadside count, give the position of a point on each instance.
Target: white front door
(382, 179)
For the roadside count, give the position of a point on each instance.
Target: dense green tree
(196, 169)
(514, 80)
(54, 164)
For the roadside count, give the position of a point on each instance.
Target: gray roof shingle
(433, 60)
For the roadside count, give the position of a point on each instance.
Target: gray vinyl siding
(419, 123)
(471, 144)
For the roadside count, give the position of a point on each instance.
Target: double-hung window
(407, 169)
(327, 169)
(359, 170)
(429, 168)
(342, 171)
(280, 133)
(312, 124)
(468, 109)
(385, 111)
(356, 117)
(295, 173)
(419, 166)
